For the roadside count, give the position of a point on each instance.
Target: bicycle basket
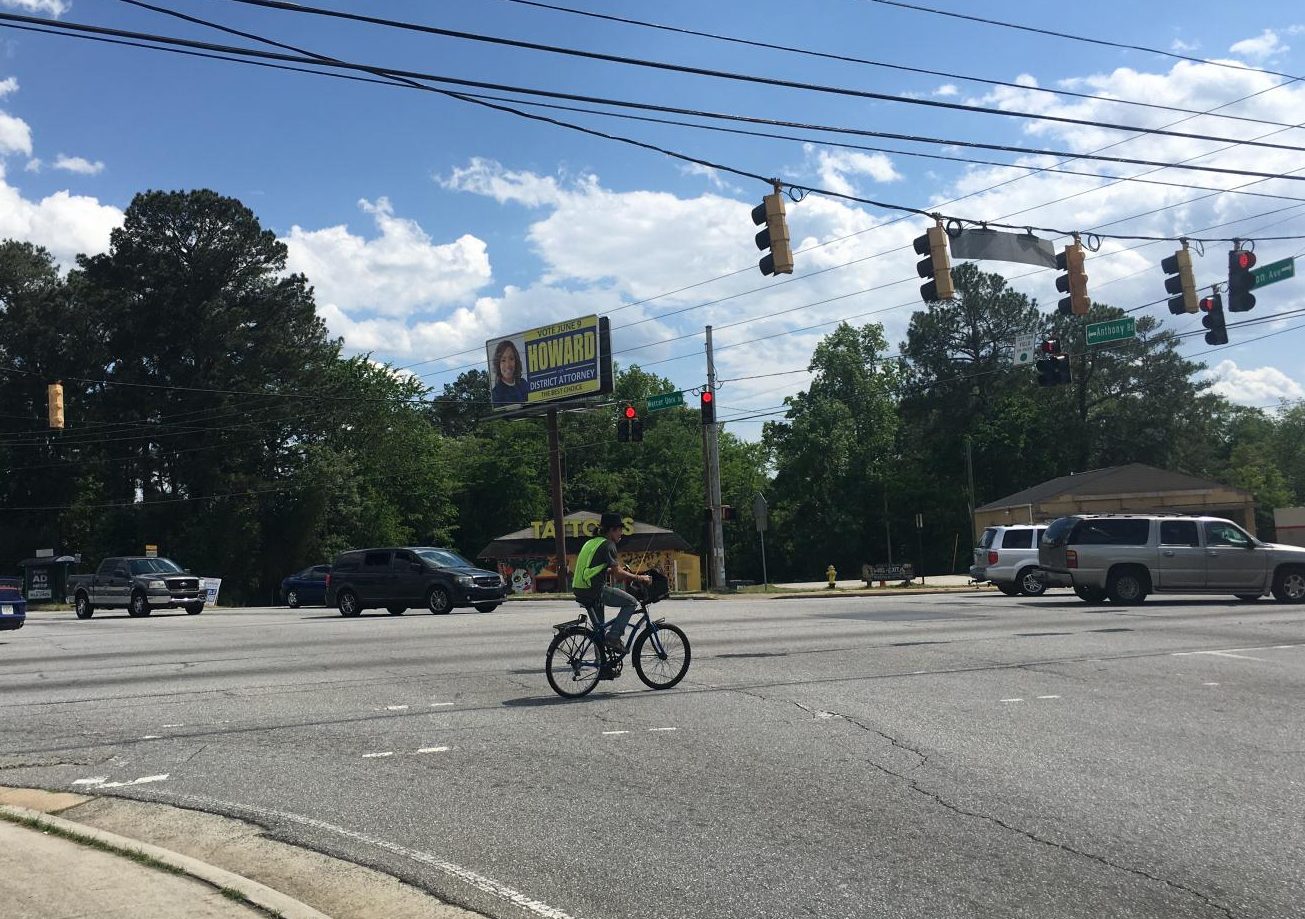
(659, 589)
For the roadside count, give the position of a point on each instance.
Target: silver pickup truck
(1125, 557)
(138, 584)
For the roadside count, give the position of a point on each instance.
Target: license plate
(6, 610)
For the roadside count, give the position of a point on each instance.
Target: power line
(668, 67)
(678, 30)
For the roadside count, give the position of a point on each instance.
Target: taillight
(992, 557)
(328, 580)
(1071, 558)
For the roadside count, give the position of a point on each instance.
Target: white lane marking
(1012, 700)
(479, 881)
(174, 725)
(1209, 684)
(151, 737)
(441, 704)
(433, 750)
(616, 732)
(1048, 697)
(826, 714)
(396, 708)
(94, 780)
(143, 780)
(1233, 652)
(663, 729)
(376, 755)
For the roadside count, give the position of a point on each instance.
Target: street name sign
(665, 400)
(1274, 272)
(1098, 333)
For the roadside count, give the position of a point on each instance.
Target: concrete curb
(257, 894)
(882, 592)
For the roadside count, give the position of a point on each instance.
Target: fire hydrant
(832, 575)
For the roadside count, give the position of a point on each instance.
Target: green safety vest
(585, 569)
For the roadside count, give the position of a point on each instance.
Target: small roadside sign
(760, 512)
(1274, 272)
(1098, 333)
(1022, 349)
(665, 400)
(151, 551)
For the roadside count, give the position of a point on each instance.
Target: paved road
(929, 756)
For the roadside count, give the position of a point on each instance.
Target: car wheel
(82, 606)
(1090, 594)
(438, 600)
(292, 599)
(348, 603)
(139, 606)
(396, 610)
(1031, 583)
(1128, 586)
(194, 609)
(1010, 590)
(1248, 598)
(1289, 585)
(486, 607)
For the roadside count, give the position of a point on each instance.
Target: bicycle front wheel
(573, 663)
(661, 656)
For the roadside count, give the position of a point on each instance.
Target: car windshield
(443, 558)
(154, 566)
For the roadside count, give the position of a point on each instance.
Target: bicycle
(578, 659)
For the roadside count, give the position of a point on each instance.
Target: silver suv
(1008, 557)
(1124, 557)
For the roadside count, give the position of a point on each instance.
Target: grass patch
(92, 843)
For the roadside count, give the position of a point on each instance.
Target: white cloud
(15, 135)
(49, 7)
(66, 224)
(34, 165)
(8, 85)
(947, 89)
(398, 273)
(489, 178)
(833, 167)
(77, 164)
(1262, 46)
(1184, 47)
(1252, 386)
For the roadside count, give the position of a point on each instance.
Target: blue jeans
(614, 596)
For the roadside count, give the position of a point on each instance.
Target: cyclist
(596, 563)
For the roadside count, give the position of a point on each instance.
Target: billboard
(553, 363)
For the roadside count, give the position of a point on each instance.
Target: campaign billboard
(553, 363)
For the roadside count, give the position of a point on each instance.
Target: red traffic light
(707, 396)
(1207, 304)
(1245, 259)
(630, 412)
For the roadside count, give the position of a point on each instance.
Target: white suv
(1008, 557)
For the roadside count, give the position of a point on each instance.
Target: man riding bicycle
(597, 562)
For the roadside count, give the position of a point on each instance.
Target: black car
(307, 586)
(404, 577)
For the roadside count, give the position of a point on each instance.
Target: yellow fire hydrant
(832, 575)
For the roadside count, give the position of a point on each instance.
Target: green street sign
(1274, 272)
(665, 400)
(1098, 333)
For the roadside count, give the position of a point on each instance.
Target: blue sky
(428, 225)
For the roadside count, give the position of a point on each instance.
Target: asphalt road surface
(929, 756)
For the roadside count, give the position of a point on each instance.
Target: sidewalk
(71, 856)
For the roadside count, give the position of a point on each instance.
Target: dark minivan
(405, 577)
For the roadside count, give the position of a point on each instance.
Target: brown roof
(1135, 478)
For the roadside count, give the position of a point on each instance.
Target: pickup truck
(138, 584)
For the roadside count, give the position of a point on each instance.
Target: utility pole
(969, 475)
(555, 474)
(711, 435)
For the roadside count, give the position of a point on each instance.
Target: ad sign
(553, 363)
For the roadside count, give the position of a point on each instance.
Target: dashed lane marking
(1012, 700)
(1048, 697)
(101, 781)
(433, 750)
(616, 732)
(152, 737)
(441, 704)
(650, 730)
(396, 708)
(1209, 684)
(378, 755)
(93, 780)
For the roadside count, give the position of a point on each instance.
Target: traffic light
(1214, 321)
(625, 426)
(936, 265)
(1179, 266)
(54, 396)
(1052, 367)
(708, 407)
(775, 236)
(1073, 281)
(1241, 280)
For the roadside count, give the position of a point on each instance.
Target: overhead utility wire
(1080, 38)
(79, 28)
(668, 67)
(848, 59)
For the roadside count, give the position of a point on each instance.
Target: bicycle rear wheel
(661, 656)
(573, 663)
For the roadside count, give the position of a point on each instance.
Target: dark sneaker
(614, 644)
